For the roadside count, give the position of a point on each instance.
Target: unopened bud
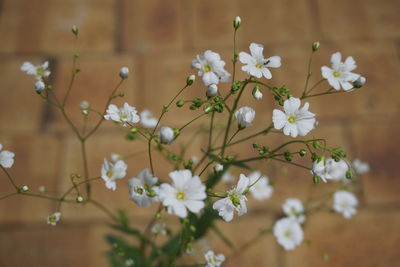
(79, 199)
(39, 87)
(190, 79)
(236, 22)
(349, 174)
(257, 93)
(24, 188)
(180, 103)
(359, 82)
(212, 90)
(316, 179)
(124, 72)
(315, 46)
(75, 30)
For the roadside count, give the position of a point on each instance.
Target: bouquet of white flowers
(198, 192)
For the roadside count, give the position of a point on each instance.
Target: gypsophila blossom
(345, 202)
(256, 64)
(211, 68)
(360, 167)
(340, 74)
(237, 22)
(6, 158)
(235, 200)
(39, 86)
(110, 172)
(129, 262)
(218, 168)
(227, 177)
(167, 135)
(147, 119)
(329, 169)
(54, 218)
(294, 209)
(213, 260)
(186, 193)
(126, 114)
(245, 116)
(159, 229)
(260, 188)
(84, 105)
(288, 233)
(360, 82)
(142, 189)
(212, 90)
(39, 71)
(295, 120)
(25, 188)
(257, 93)
(124, 72)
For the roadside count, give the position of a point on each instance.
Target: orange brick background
(157, 39)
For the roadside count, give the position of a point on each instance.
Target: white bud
(79, 199)
(39, 86)
(25, 188)
(123, 72)
(257, 93)
(245, 116)
(212, 90)
(190, 79)
(218, 168)
(42, 189)
(359, 82)
(237, 22)
(84, 105)
(166, 135)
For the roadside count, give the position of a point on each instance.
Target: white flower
(124, 115)
(256, 64)
(227, 177)
(235, 200)
(340, 74)
(262, 189)
(6, 158)
(84, 105)
(329, 169)
(212, 90)
(147, 119)
(345, 202)
(288, 233)
(39, 86)
(53, 218)
(211, 68)
(159, 229)
(218, 168)
(110, 172)
(294, 209)
(124, 72)
(141, 188)
(186, 192)
(295, 120)
(213, 260)
(190, 79)
(129, 262)
(360, 167)
(39, 71)
(167, 135)
(257, 93)
(245, 116)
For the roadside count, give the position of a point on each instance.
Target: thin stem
(9, 195)
(103, 208)
(313, 87)
(210, 131)
(205, 168)
(230, 139)
(71, 83)
(10, 178)
(85, 168)
(187, 124)
(308, 74)
(73, 127)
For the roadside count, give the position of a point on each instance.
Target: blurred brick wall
(157, 40)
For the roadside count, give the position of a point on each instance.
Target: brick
(340, 238)
(94, 83)
(18, 89)
(152, 26)
(381, 182)
(36, 163)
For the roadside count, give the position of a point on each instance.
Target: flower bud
(236, 22)
(39, 87)
(257, 93)
(349, 174)
(79, 199)
(75, 30)
(359, 82)
(42, 189)
(316, 179)
(24, 188)
(302, 152)
(190, 79)
(207, 109)
(166, 135)
(123, 72)
(180, 103)
(218, 168)
(315, 46)
(245, 116)
(212, 90)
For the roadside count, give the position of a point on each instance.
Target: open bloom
(235, 200)
(294, 209)
(112, 171)
(39, 71)
(329, 169)
(124, 115)
(261, 189)
(167, 135)
(213, 260)
(147, 119)
(245, 116)
(186, 193)
(360, 167)
(340, 74)
(211, 68)
(53, 218)
(256, 64)
(6, 158)
(345, 202)
(142, 189)
(288, 233)
(295, 120)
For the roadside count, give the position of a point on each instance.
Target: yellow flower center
(336, 74)
(109, 174)
(259, 65)
(123, 117)
(52, 219)
(39, 72)
(287, 234)
(180, 195)
(207, 68)
(139, 190)
(234, 198)
(292, 119)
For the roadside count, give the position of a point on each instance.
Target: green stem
(10, 178)
(187, 124)
(85, 168)
(308, 74)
